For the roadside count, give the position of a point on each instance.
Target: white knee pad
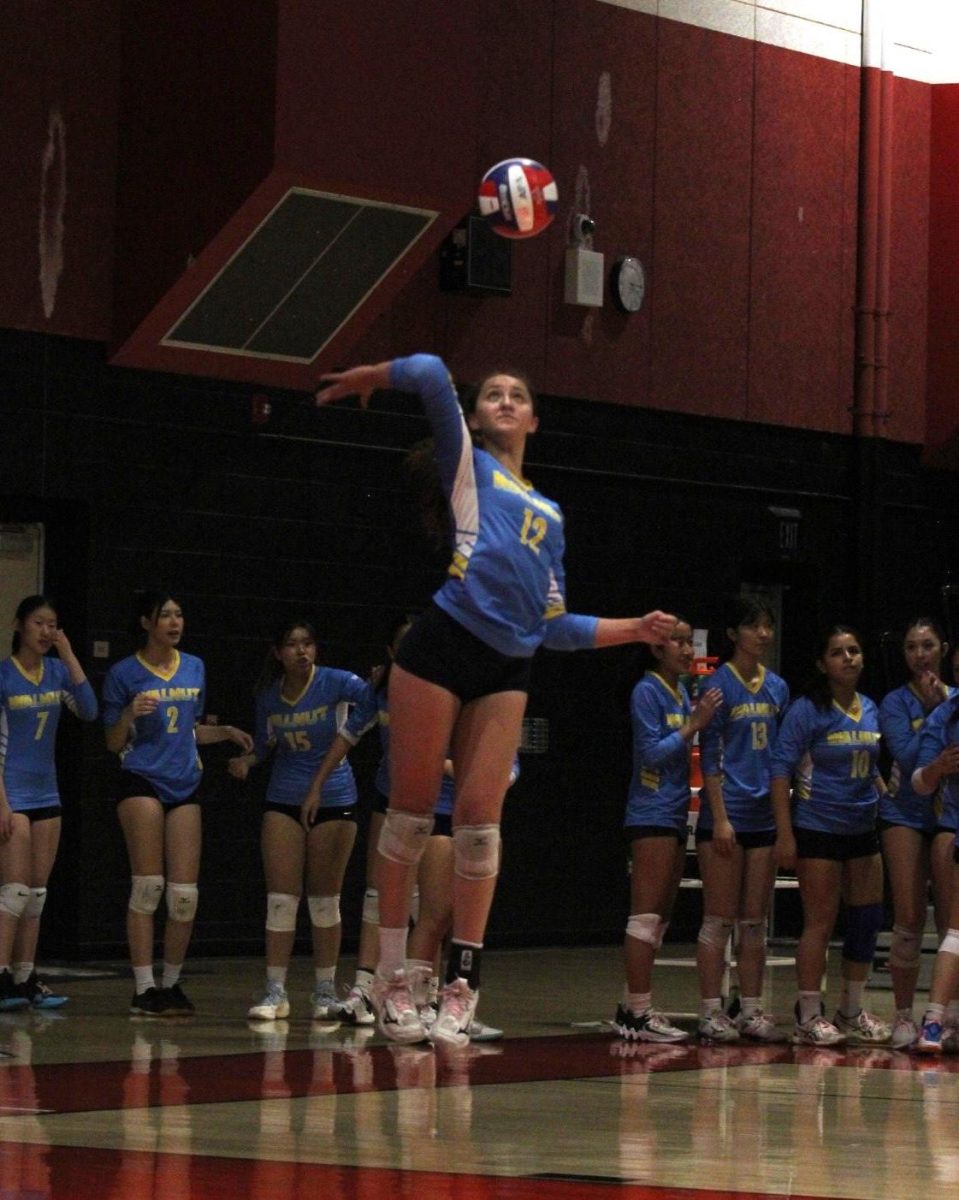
(281, 910)
(324, 911)
(13, 899)
(145, 893)
(404, 836)
(35, 903)
(715, 931)
(752, 931)
(644, 927)
(905, 949)
(181, 899)
(371, 906)
(476, 851)
(950, 943)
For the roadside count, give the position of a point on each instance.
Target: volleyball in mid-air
(518, 197)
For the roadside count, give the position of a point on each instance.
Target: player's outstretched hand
(655, 627)
(357, 381)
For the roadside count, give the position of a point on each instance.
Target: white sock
(143, 979)
(171, 974)
(708, 1007)
(276, 975)
(750, 1005)
(639, 1003)
(324, 974)
(22, 972)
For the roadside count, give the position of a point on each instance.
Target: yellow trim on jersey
(854, 713)
(674, 692)
(160, 673)
(458, 565)
(509, 483)
(34, 679)
(756, 684)
(302, 693)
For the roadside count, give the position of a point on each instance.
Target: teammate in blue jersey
(828, 749)
(357, 1007)
(462, 673)
(300, 709)
(152, 705)
(736, 831)
(657, 809)
(937, 775)
(917, 847)
(33, 689)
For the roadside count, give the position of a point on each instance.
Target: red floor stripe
(83, 1087)
(59, 1173)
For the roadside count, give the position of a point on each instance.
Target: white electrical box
(585, 277)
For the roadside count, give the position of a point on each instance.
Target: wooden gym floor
(95, 1103)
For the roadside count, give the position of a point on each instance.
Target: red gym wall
(943, 395)
(730, 169)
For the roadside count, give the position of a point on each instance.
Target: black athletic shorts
(132, 784)
(754, 840)
(320, 817)
(633, 833)
(442, 651)
(837, 847)
(46, 813)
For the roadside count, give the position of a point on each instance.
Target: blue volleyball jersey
(659, 789)
(832, 757)
(902, 716)
(941, 729)
(506, 582)
(737, 745)
(29, 715)
(161, 745)
(300, 731)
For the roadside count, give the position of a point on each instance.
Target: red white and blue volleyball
(518, 197)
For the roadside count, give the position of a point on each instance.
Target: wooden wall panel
(700, 298)
(802, 277)
(942, 413)
(909, 319)
(603, 148)
(58, 96)
(715, 143)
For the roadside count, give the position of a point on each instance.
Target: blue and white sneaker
(275, 1005)
(38, 994)
(930, 1038)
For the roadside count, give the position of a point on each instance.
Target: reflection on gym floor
(93, 1102)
